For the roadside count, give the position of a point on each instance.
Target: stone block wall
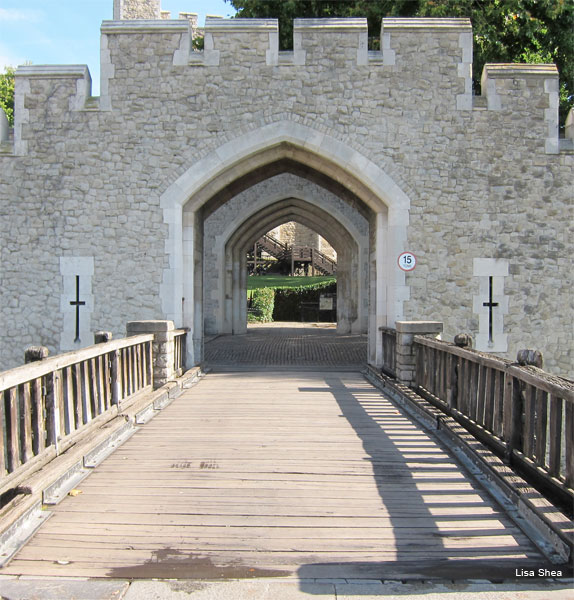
(485, 179)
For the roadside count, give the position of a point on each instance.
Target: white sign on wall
(407, 261)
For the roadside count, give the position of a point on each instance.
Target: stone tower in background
(137, 9)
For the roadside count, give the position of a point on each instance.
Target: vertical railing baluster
(86, 388)
(569, 442)
(529, 429)
(481, 394)
(3, 440)
(49, 408)
(12, 439)
(58, 409)
(107, 380)
(541, 425)
(516, 419)
(26, 451)
(492, 400)
(38, 417)
(99, 402)
(68, 391)
(77, 392)
(149, 346)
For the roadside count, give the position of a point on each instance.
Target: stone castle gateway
(142, 202)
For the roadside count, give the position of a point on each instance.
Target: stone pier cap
(152, 326)
(419, 327)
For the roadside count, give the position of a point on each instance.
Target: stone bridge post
(163, 347)
(406, 357)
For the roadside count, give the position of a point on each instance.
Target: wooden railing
(389, 351)
(180, 351)
(45, 405)
(272, 246)
(317, 259)
(523, 413)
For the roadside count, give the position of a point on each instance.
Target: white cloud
(15, 14)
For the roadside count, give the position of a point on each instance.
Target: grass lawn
(284, 281)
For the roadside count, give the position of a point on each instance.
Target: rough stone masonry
(141, 203)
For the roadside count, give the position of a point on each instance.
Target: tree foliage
(505, 31)
(7, 93)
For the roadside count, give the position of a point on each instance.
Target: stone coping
(512, 69)
(419, 326)
(151, 326)
(330, 24)
(219, 24)
(146, 26)
(427, 23)
(52, 71)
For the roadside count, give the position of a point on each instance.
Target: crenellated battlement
(235, 40)
(506, 85)
(431, 58)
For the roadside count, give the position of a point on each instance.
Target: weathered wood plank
(77, 392)
(86, 392)
(541, 426)
(26, 450)
(569, 442)
(321, 469)
(555, 450)
(68, 391)
(38, 369)
(12, 434)
(38, 427)
(3, 440)
(529, 424)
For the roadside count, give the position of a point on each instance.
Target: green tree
(522, 31)
(7, 93)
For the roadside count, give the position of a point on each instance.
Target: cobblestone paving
(288, 345)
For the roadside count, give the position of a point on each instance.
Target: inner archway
(351, 244)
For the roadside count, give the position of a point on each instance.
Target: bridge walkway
(279, 473)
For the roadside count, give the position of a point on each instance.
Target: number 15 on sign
(407, 261)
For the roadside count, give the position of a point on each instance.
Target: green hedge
(262, 303)
(288, 302)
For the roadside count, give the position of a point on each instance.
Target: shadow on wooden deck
(426, 546)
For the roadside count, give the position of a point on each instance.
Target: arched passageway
(283, 171)
(227, 312)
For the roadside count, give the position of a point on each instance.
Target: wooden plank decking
(254, 474)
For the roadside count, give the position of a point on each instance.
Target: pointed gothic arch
(350, 244)
(185, 199)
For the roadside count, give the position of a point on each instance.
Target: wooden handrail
(523, 413)
(25, 373)
(531, 375)
(46, 405)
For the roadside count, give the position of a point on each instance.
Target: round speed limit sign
(407, 261)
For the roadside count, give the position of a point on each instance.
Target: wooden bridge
(325, 473)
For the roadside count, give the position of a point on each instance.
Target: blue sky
(61, 32)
